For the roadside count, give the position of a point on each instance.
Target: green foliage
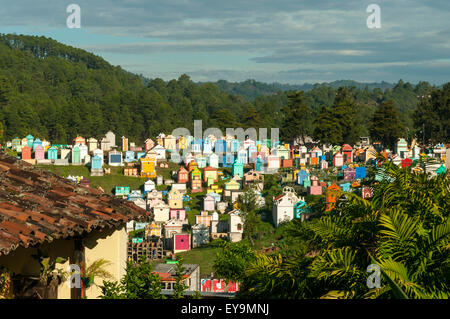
(138, 283)
(386, 126)
(297, 120)
(72, 92)
(404, 228)
(232, 259)
(48, 270)
(179, 286)
(432, 113)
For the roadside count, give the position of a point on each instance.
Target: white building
(283, 206)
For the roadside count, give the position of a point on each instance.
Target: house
(140, 203)
(200, 235)
(235, 144)
(122, 191)
(213, 160)
(39, 152)
(204, 218)
(171, 227)
(160, 139)
(264, 151)
(181, 242)
(210, 175)
(167, 275)
(84, 153)
(170, 142)
(30, 140)
(219, 228)
(192, 165)
(220, 147)
(252, 153)
(406, 162)
(302, 176)
(283, 206)
(273, 162)
(338, 159)
(76, 158)
(235, 226)
(161, 212)
(207, 146)
(79, 140)
(183, 175)
(115, 158)
(228, 160)
(105, 144)
(111, 138)
(315, 152)
(52, 153)
(360, 172)
(124, 144)
(401, 148)
(281, 151)
(232, 185)
(149, 185)
(175, 199)
(47, 219)
(347, 152)
(149, 144)
(196, 184)
(349, 174)
(197, 146)
(332, 192)
(201, 161)
(179, 214)
(129, 156)
(153, 229)
(259, 164)
(148, 165)
(242, 156)
(315, 188)
(92, 144)
(65, 154)
(209, 203)
(160, 152)
(96, 166)
(366, 192)
(182, 143)
(301, 210)
(323, 164)
(130, 171)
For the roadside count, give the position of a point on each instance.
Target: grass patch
(203, 256)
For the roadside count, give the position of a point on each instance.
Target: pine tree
(251, 117)
(386, 126)
(297, 118)
(327, 129)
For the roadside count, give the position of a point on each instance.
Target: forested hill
(251, 89)
(56, 92)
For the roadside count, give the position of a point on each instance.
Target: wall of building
(110, 244)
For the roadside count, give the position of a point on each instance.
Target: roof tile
(38, 206)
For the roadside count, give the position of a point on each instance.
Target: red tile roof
(37, 206)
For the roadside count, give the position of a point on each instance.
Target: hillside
(55, 91)
(251, 89)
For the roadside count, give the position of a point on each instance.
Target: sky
(286, 41)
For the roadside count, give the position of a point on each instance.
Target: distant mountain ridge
(250, 89)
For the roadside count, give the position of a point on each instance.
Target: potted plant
(96, 269)
(44, 286)
(5, 283)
